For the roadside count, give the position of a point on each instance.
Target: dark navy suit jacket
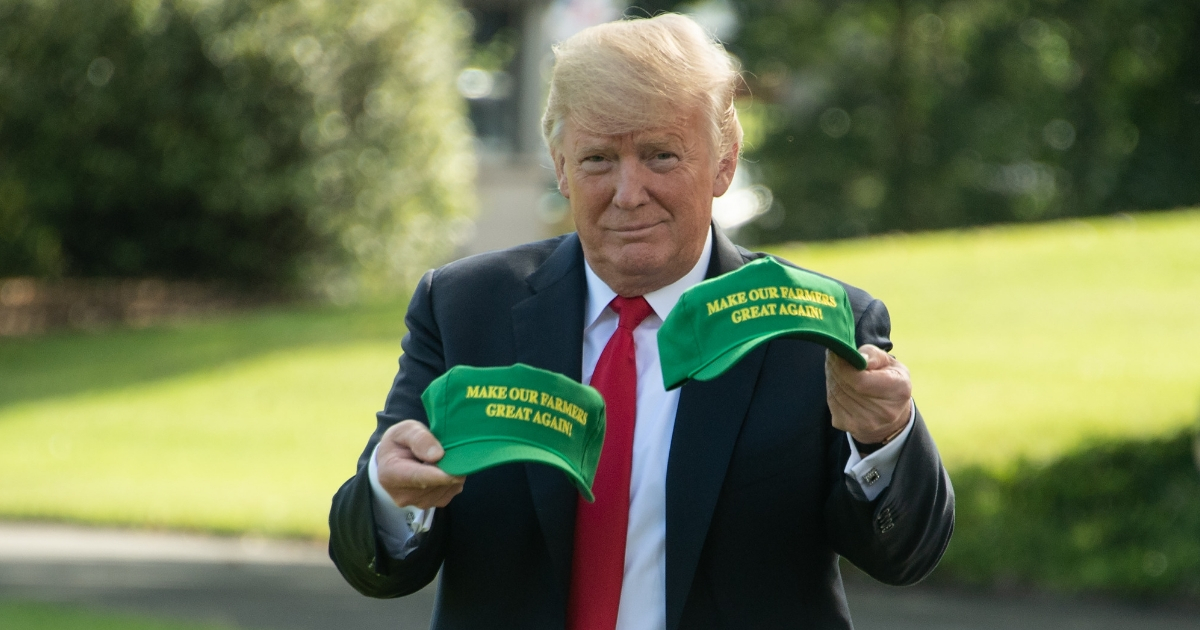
(758, 508)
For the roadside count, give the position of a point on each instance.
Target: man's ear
(725, 170)
(560, 173)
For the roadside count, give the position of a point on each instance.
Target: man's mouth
(636, 230)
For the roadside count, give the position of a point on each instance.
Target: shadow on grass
(59, 365)
(1116, 517)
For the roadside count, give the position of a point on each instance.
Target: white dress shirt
(643, 589)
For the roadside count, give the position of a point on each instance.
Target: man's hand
(405, 461)
(874, 404)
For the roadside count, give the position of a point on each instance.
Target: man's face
(642, 201)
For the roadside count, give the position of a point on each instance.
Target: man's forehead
(654, 136)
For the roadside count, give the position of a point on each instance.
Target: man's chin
(646, 266)
(645, 256)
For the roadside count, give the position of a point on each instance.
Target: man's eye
(594, 158)
(664, 156)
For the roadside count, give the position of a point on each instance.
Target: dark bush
(1119, 517)
(261, 141)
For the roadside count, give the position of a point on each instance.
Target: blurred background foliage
(1114, 516)
(324, 145)
(281, 142)
(881, 115)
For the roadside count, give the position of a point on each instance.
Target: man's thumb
(877, 359)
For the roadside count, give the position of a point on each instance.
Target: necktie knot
(631, 311)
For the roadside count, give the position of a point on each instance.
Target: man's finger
(444, 496)
(433, 496)
(837, 370)
(417, 438)
(877, 359)
(426, 476)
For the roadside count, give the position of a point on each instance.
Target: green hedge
(1118, 517)
(278, 141)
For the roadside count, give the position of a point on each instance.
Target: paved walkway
(267, 585)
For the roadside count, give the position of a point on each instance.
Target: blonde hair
(636, 74)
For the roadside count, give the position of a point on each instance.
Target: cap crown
(484, 417)
(720, 320)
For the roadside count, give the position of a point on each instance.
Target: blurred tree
(278, 141)
(879, 115)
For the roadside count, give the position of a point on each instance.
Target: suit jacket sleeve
(900, 536)
(354, 546)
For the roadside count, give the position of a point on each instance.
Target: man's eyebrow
(593, 147)
(658, 142)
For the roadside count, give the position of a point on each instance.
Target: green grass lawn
(27, 616)
(1025, 340)
(1022, 342)
(245, 424)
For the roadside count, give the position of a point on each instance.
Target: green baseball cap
(720, 320)
(489, 416)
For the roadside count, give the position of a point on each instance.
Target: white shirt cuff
(395, 524)
(874, 472)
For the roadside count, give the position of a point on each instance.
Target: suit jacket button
(884, 521)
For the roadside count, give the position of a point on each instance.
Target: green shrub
(278, 141)
(1121, 517)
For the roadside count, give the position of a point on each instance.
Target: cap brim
(722, 362)
(474, 456)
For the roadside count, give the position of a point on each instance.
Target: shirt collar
(661, 300)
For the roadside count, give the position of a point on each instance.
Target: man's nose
(631, 185)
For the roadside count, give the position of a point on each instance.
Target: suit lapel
(707, 424)
(548, 329)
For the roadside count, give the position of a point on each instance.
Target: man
(736, 495)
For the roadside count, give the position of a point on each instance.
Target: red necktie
(599, 561)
